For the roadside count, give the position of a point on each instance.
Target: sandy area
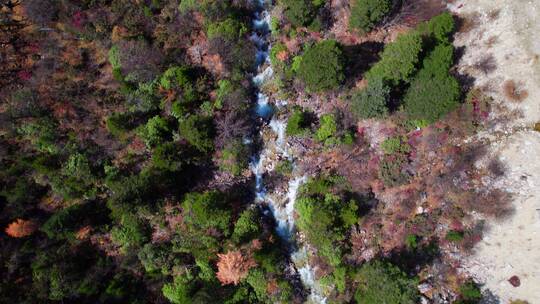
(504, 38)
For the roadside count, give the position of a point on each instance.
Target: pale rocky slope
(504, 35)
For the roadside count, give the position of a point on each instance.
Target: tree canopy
(321, 67)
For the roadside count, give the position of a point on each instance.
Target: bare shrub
(487, 64)
(513, 91)
(468, 23)
(40, 11)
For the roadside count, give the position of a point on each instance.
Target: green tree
(155, 131)
(431, 96)
(371, 102)
(157, 258)
(180, 291)
(206, 210)
(299, 12)
(41, 133)
(168, 156)
(131, 233)
(398, 60)
(64, 223)
(384, 283)
(179, 79)
(439, 60)
(119, 123)
(321, 67)
(440, 27)
(433, 91)
(196, 129)
(325, 217)
(230, 29)
(234, 158)
(247, 226)
(366, 14)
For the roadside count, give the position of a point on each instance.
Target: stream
(275, 148)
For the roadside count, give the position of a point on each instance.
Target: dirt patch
(514, 92)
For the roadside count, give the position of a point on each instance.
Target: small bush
(455, 236)
(385, 283)
(284, 167)
(297, 123)
(234, 158)
(114, 58)
(396, 144)
(327, 128)
(391, 170)
(366, 14)
(470, 293)
(321, 67)
(411, 241)
(371, 102)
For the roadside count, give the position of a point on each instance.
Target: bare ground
(498, 37)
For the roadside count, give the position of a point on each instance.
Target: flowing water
(281, 206)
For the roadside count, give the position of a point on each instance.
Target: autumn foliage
(21, 228)
(233, 267)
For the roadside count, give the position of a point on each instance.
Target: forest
(129, 137)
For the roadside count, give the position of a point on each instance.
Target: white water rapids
(281, 207)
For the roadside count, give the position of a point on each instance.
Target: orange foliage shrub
(233, 267)
(21, 228)
(83, 233)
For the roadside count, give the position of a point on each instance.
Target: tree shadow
(359, 58)
(466, 81)
(411, 260)
(489, 298)
(367, 201)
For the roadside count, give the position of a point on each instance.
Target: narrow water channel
(275, 148)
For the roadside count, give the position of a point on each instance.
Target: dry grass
(537, 127)
(513, 92)
(468, 23)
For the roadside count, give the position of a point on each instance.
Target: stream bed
(273, 149)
